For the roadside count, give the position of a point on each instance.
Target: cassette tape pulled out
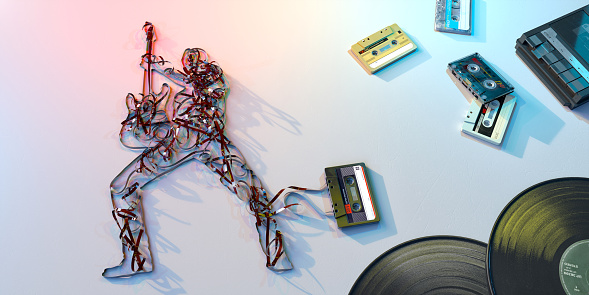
(382, 48)
(453, 16)
(489, 121)
(480, 78)
(350, 196)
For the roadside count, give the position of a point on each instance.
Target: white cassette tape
(489, 121)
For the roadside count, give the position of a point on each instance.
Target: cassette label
(479, 78)
(489, 121)
(382, 48)
(350, 196)
(453, 16)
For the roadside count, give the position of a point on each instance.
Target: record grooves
(540, 242)
(431, 265)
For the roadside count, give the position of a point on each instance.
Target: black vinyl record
(540, 242)
(430, 265)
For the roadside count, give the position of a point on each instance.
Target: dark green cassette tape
(350, 195)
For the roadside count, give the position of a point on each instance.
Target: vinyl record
(540, 242)
(431, 265)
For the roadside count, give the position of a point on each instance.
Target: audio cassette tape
(480, 78)
(453, 16)
(382, 48)
(350, 196)
(489, 121)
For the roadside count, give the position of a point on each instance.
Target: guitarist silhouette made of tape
(172, 131)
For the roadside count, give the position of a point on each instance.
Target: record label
(574, 268)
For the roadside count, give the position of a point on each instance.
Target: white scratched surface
(299, 103)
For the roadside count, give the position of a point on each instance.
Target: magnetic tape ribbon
(173, 130)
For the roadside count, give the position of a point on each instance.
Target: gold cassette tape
(382, 48)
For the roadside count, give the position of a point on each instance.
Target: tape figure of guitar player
(173, 131)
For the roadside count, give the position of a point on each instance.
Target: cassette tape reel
(382, 48)
(350, 195)
(489, 121)
(479, 78)
(453, 16)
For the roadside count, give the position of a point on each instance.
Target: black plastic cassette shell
(540, 67)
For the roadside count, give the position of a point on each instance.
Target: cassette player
(479, 78)
(350, 195)
(382, 48)
(453, 16)
(558, 54)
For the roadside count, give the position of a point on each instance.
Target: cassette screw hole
(356, 207)
(394, 42)
(374, 52)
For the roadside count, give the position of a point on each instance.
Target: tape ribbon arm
(304, 201)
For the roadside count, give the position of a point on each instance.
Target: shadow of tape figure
(172, 131)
